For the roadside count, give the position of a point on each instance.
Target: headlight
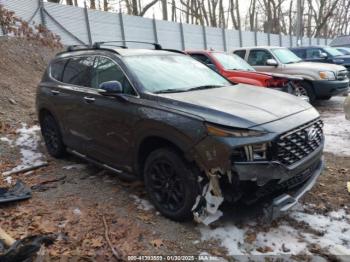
(234, 132)
(255, 152)
(327, 75)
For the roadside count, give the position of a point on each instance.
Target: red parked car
(237, 70)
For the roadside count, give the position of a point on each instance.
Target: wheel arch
(151, 143)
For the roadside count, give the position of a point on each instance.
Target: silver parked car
(321, 80)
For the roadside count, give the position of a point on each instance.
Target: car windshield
(285, 56)
(173, 73)
(344, 50)
(232, 62)
(332, 51)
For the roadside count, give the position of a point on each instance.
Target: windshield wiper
(204, 87)
(170, 90)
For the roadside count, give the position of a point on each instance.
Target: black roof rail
(98, 45)
(174, 51)
(77, 47)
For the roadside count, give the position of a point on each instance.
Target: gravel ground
(72, 198)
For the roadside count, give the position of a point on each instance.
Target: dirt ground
(72, 198)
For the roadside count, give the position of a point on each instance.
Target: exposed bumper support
(285, 201)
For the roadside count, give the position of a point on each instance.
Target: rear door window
(56, 69)
(313, 53)
(300, 53)
(258, 57)
(240, 53)
(78, 71)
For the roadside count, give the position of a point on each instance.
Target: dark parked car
(193, 137)
(325, 54)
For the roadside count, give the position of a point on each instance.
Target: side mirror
(271, 62)
(323, 55)
(213, 67)
(111, 88)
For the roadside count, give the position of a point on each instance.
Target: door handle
(55, 92)
(89, 99)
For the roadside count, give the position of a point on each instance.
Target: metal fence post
(280, 38)
(122, 30)
(224, 39)
(182, 33)
(87, 22)
(240, 37)
(155, 33)
(290, 40)
(42, 12)
(255, 37)
(205, 38)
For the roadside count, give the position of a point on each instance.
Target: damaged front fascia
(215, 162)
(214, 158)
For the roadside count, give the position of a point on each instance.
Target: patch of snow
(285, 238)
(28, 141)
(230, 236)
(8, 179)
(142, 204)
(77, 211)
(6, 140)
(337, 133)
(75, 166)
(335, 229)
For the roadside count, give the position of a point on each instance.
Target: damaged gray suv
(195, 138)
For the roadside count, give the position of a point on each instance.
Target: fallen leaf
(157, 243)
(97, 242)
(250, 237)
(264, 249)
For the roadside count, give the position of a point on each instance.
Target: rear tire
(171, 184)
(52, 136)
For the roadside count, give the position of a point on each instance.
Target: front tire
(52, 136)
(171, 183)
(309, 91)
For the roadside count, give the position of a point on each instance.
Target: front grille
(296, 144)
(342, 75)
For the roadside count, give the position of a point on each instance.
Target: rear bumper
(286, 201)
(330, 88)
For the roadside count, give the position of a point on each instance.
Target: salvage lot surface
(71, 198)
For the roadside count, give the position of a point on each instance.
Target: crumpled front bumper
(286, 201)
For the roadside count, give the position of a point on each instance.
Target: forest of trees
(320, 18)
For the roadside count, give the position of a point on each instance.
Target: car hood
(240, 105)
(318, 66)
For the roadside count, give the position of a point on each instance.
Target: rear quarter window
(57, 68)
(78, 71)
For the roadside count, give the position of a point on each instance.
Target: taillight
(276, 82)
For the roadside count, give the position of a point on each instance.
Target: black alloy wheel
(171, 184)
(52, 136)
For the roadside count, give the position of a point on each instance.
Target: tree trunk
(165, 9)
(92, 4)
